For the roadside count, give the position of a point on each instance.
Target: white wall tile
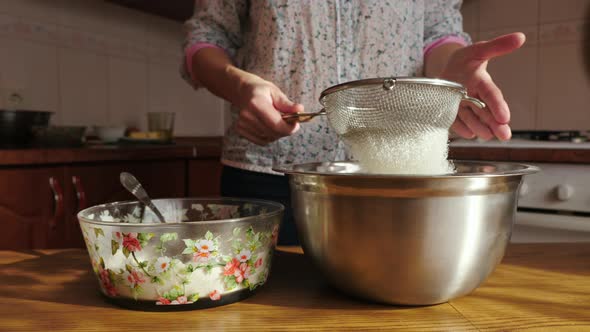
(563, 96)
(127, 92)
(516, 75)
(83, 78)
(125, 23)
(87, 15)
(31, 69)
(470, 13)
(47, 11)
(494, 14)
(198, 113)
(562, 10)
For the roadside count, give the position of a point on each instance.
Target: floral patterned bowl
(210, 252)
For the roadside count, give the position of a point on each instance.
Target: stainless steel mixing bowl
(410, 240)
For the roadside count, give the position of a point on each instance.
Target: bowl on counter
(110, 134)
(405, 239)
(209, 252)
(59, 136)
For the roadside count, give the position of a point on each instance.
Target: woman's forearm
(437, 59)
(213, 69)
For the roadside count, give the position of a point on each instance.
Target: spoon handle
(133, 186)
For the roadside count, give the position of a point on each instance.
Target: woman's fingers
(249, 119)
(474, 123)
(499, 46)
(272, 119)
(461, 129)
(253, 136)
(490, 94)
(501, 130)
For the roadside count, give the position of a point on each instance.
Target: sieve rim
(397, 80)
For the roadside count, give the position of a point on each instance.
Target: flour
(423, 153)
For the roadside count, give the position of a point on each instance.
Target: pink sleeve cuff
(442, 41)
(191, 51)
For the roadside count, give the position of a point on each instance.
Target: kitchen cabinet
(204, 177)
(32, 207)
(94, 184)
(38, 205)
(42, 190)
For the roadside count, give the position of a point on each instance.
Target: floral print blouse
(306, 46)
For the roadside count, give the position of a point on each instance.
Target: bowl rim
(280, 209)
(518, 169)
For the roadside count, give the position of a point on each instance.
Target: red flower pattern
(243, 272)
(230, 268)
(131, 242)
(215, 295)
(106, 283)
(258, 263)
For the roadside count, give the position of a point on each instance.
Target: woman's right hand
(261, 105)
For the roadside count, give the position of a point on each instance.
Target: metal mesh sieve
(392, 106)
(394, 125)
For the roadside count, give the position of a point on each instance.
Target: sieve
(390, 106)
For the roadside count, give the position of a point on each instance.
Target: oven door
(531, 227)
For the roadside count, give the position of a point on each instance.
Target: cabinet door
(32, 208)
(204, 177)
(94, 184)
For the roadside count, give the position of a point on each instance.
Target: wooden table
(537, 287)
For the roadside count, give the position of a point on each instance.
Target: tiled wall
(545, 82)
(96, 63)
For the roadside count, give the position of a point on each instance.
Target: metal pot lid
(464, 169)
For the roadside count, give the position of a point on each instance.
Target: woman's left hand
(468, 66)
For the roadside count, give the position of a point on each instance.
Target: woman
(270, 57)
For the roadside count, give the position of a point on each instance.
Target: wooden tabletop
(537, 287)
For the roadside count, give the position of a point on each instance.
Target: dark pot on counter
(16, 126)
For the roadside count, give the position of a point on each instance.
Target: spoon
(130, 183)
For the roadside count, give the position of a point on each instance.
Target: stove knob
(524, 189)
(564, 192)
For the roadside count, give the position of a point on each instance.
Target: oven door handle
(552, 221)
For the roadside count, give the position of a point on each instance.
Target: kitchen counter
(183, 148)
(210, 147)
(522, 150)
(540, 286)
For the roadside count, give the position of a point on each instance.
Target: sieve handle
(478, 103)
(302, 117)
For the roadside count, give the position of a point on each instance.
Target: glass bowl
(211, 251)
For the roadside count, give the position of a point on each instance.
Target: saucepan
(17, 126)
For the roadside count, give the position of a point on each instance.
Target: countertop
(571, 155)
(537, 287)
(183, 148)
(210, 148)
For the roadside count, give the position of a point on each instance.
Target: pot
(214, 252)
(409, 240)
(16, 126)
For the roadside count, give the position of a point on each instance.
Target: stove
(554, 204)
(534, 139)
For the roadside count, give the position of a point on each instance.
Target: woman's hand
(468, 66)
(261, 104)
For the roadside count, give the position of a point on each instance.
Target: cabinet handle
(58, 200)
(80, 193)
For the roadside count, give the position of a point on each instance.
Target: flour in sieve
(424, 153)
